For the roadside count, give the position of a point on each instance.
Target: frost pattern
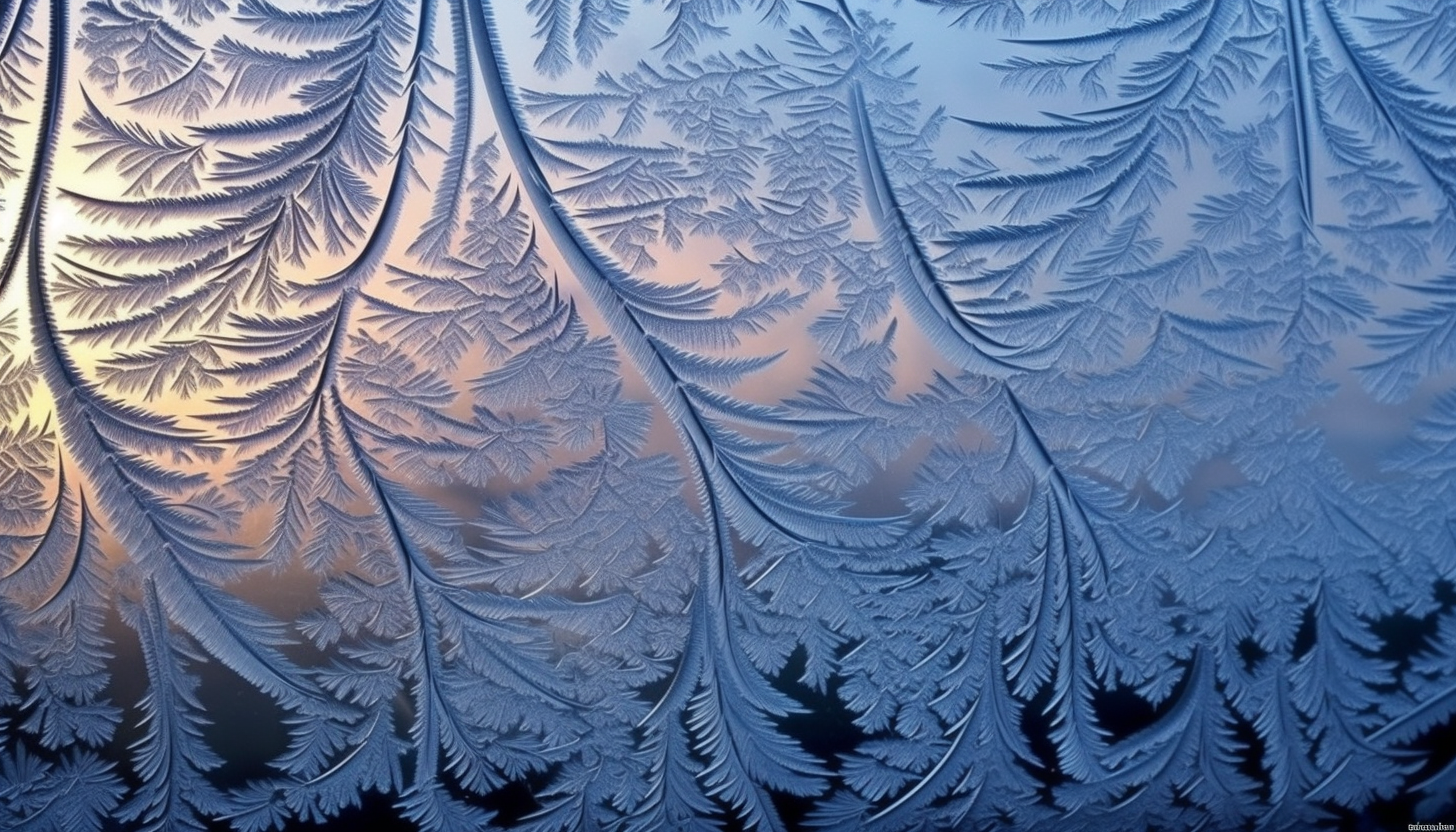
(749, 432)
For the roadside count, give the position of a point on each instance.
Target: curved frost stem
(10, 18)
(938, 315)
(173, 755)
(233, 632)
(695, 686)
(425, 646)
(435, 234)
(56, 533)
(1061, 488)
(29, 218)
(931, 305)
(437, 609)
(330, 339)
(1301, 105)
(205, 612)
(1064, 586)
(1414, 121)
(371, 255)
(609, 286)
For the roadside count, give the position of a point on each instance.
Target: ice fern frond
(152, 163)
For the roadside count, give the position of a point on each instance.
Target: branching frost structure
(753, 432)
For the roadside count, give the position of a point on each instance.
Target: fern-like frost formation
(727, 414)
